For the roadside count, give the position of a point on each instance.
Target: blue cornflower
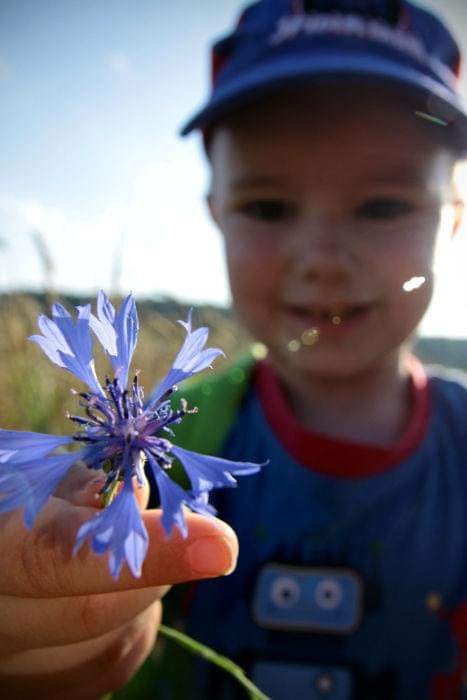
(121, 433)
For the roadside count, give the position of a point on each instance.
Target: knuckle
(44, 557)
(102, 613)
(93, 617)
(122, 647)
(32, 564)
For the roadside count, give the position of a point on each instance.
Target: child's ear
(213, 210)
(460, 194)
(459, 213)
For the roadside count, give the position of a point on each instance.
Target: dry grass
(35, 394)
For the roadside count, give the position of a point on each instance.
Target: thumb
(82, 487)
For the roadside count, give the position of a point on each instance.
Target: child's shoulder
(450, 380)
(449, 392)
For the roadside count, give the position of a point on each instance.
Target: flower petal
(173, 497)
(68, 343)
(52, 340)
(191, 358)
(187, 324)
(23, 446)
(14, 490)
(126, 325)
(103, 325)
(30, 485)
(120, 529)
(201, 505)
(117, 332)
(207, 472)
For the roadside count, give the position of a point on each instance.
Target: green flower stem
(210, 655)
(110, 494)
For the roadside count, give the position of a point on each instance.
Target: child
(333, 133)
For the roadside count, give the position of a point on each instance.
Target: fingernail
(211, 556)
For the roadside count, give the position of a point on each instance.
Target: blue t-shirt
(352, 575)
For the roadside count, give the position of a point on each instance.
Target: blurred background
(97, 189)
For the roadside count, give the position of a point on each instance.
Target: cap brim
(439, 103)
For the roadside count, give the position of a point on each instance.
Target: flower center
(118, 429)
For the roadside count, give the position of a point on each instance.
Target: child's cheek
(409, 251)
(255, 251)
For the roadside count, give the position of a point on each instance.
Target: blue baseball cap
(280, 42)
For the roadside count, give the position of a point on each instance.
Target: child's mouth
(326, 319)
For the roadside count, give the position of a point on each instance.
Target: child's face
(328, 206)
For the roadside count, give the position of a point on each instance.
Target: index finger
(39, 562)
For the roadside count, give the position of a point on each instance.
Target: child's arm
(68, 631)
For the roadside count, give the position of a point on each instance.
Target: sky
(97, 189)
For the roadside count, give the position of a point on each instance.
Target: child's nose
(323, 247)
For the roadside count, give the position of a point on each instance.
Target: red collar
(334, 457)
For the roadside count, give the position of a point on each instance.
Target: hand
(67, 629)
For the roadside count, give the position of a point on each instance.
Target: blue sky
(92, 95)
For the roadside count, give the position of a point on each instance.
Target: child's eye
(267, 210)
(384, 209)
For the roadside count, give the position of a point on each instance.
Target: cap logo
(361, 25)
